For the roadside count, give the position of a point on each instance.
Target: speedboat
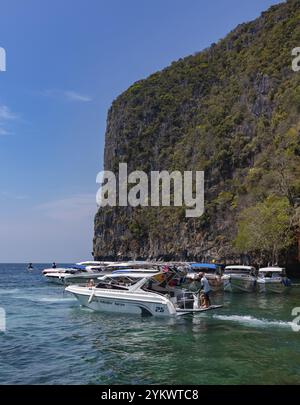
(84, 265)
(143, 293)
(83, 276)
(213, 273)
(239, 278)
(93, 273)
(55, 270)
(59, 277)
(272, 279)
(90, 272)
(133, 265)
(77, 273)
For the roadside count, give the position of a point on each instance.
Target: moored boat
(78, 266)
(59, 277)
(239, 278)
(213, 273)
(273, 279)
(93, 274)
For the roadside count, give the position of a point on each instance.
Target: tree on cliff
(266, 228)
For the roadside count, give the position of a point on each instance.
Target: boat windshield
(88, 264)
(237, 271)
(117, 282)
(210, 271)
(272, 274)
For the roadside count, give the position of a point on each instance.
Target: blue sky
(67, 60)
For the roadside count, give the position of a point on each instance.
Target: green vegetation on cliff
(233, 111)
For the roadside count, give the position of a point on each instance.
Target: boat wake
(47, 300)
(56, 300)
(9, 291)
(251, 321)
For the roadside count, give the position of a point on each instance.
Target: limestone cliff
(231, 110)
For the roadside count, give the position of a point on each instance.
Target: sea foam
(252, 321)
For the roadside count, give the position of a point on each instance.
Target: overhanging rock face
(226, 111)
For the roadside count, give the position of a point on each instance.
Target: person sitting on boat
(205, 289)
(30, 266)
(91, 283)
(53, 265)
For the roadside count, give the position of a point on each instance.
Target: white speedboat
(55, 270)
(272, 279)
(133, 265)
(239, 278)
(83, 276)
(93, 274)
(142, 293)
(59, 277)
(79, 266)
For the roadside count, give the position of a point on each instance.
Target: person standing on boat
(205, 288)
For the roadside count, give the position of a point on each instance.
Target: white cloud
(4, 132)
(68, 95)
(7, 195)
(5, 115)
(75, 208)
(73, 96)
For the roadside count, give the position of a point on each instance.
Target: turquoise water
(51, 340)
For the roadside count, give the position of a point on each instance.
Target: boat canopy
(78, 267)
(89, 263)
(239, 267)
(204, 266)
(133, 274)
(139, 270)
(272, 269)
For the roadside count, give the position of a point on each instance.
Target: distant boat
(81, 272)
(213, 273)
(87, 272)
(273, 279)
(77, 266)
(239, 278)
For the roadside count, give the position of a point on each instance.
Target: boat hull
(272, 286)
(119, 302)
(55, 280)
(239, 284)
(216, 284)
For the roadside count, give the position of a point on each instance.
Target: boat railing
(185, 299)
